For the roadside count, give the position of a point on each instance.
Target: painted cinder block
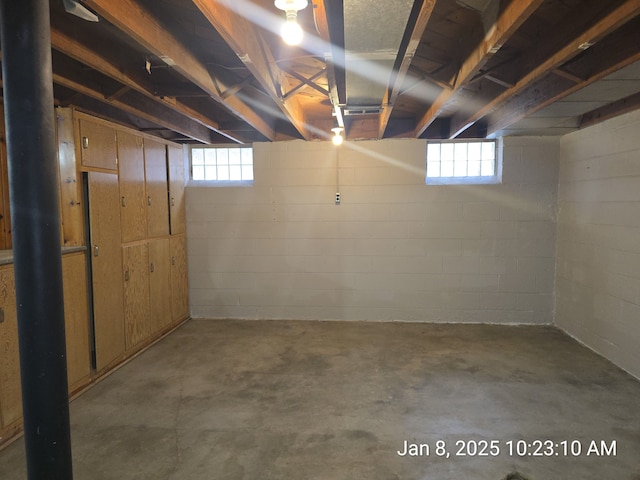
(597, 278)
(395, 249)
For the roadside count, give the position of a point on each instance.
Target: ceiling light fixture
(291, 32)
(337, 137)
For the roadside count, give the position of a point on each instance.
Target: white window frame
(467, 179)
(216, 182)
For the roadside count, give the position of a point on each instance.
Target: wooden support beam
(142, 107)
(614, 109)
(426, 78)
(498, 81)
(141, 25)
(243, 37)
(118, 93)
(569, 76)
(607, 24)
(612, 53)
(305, 81)
(237, 87)
(81, 53)
(418, 19)
(509, 20)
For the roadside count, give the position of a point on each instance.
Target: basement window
(222, 165)
(463, 162)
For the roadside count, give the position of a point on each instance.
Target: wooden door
(133, 204)
(98, 145)
(137, 315)
(179, 281)
(76, 316)
(176, 190)
(155, 157)
(160, 283)
(10, 390)
(106, 262)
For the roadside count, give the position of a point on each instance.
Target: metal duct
(373, 34)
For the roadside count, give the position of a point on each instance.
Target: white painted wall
(598, 271)
(395, 249)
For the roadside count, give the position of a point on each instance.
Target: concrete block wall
(395, 249)
(598, 269)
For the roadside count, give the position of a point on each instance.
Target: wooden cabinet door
(137, 315)
(106, 261)
(160, 283)
(179, 281)
(76, 316)
(176, 190)
(133, 203)
(98, 145)
(10, 390)
(155, 158)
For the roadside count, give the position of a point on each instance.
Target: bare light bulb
(337, 137)
(292, 32)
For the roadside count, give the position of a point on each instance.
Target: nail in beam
(35, 218)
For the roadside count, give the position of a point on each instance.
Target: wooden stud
(136, 21)
(513, 16)
(420, 15)
(143, 107)
(83, 54)
(241, 36)
(625, 105)
(613, 20)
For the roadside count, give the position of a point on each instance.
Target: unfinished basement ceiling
(217, 71)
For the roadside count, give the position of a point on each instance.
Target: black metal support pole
(33, 186)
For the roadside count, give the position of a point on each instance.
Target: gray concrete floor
(323, 400)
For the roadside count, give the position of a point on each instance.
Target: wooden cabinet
(157, 187)
(121, 196)
(160, 283)
(176, 190)
(10, 394)
(97, 144)
(147, 289)
(133, 202)
(76, 316)
(137, 313)
(106, 273)
(76, 330)
(179, 281)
